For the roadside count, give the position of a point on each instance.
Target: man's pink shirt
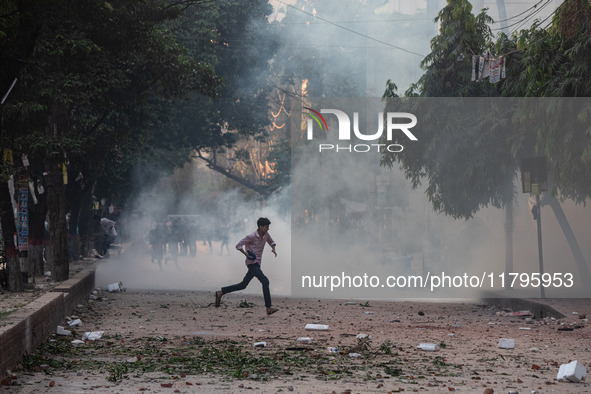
(256, 243)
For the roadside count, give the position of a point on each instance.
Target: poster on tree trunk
(23, 214)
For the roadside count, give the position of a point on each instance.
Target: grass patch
(4, 314)
(245, 304)
(183, 356)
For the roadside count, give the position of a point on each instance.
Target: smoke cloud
(227, 214)
(354, 221)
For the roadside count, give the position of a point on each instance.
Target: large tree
(117, 94)
(552, 60)
(461, 177)
(542, 63)
(96, 84)
(239, 42)
(468, 167)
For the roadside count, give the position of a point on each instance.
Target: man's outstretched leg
(238, 286)
(254, 270)
(218, 298)
(258, 273)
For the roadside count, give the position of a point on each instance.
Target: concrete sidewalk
(34, 323)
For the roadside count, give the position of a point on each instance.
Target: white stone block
(76, 322)
(60, 331)
(430, 347)
(573, 372)
(505, 343)
(317, 327)
(92, 335)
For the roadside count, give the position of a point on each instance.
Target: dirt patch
(179, 342)
(37, 286)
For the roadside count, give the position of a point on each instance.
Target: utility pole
(538, 218)
(534, 180)
(503, 16)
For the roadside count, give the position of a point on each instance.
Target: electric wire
(365, 21)
(521, 13)
(352, 31)
(526, 18)
(541, 38)
(518, 28)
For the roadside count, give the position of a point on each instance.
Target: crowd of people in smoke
(179, 235)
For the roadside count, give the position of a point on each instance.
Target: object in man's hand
(251, 255)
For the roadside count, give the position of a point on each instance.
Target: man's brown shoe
(270, 311)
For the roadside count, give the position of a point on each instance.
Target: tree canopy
(467, 168)
(118, 93)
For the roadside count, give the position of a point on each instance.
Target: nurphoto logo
(394, 121)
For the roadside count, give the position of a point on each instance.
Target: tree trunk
(35, 257)
(509, 236)
(13, 269)
(37, 213)
(212, 164)
(48, 252)
(73, 192)
(85, 224)
(56, 206)
(509, 225)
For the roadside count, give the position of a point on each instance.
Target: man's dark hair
(263, 222)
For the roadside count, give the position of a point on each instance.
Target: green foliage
(100, 78)
(448, 68)
(116, 89)
(470, 167)
(553, 62)
(245, 304)
(467, 163)
(465, 160)
(238, 42)
(386, 347)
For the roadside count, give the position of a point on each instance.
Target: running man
(252, 247)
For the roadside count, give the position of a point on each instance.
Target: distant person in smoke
(157, 239)
(110, 233)
(252, 247)
(191, 238)
(224, 236)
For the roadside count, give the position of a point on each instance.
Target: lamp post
(538, 218)
(534, 181)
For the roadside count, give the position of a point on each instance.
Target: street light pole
(534, 180)
(540, 253)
